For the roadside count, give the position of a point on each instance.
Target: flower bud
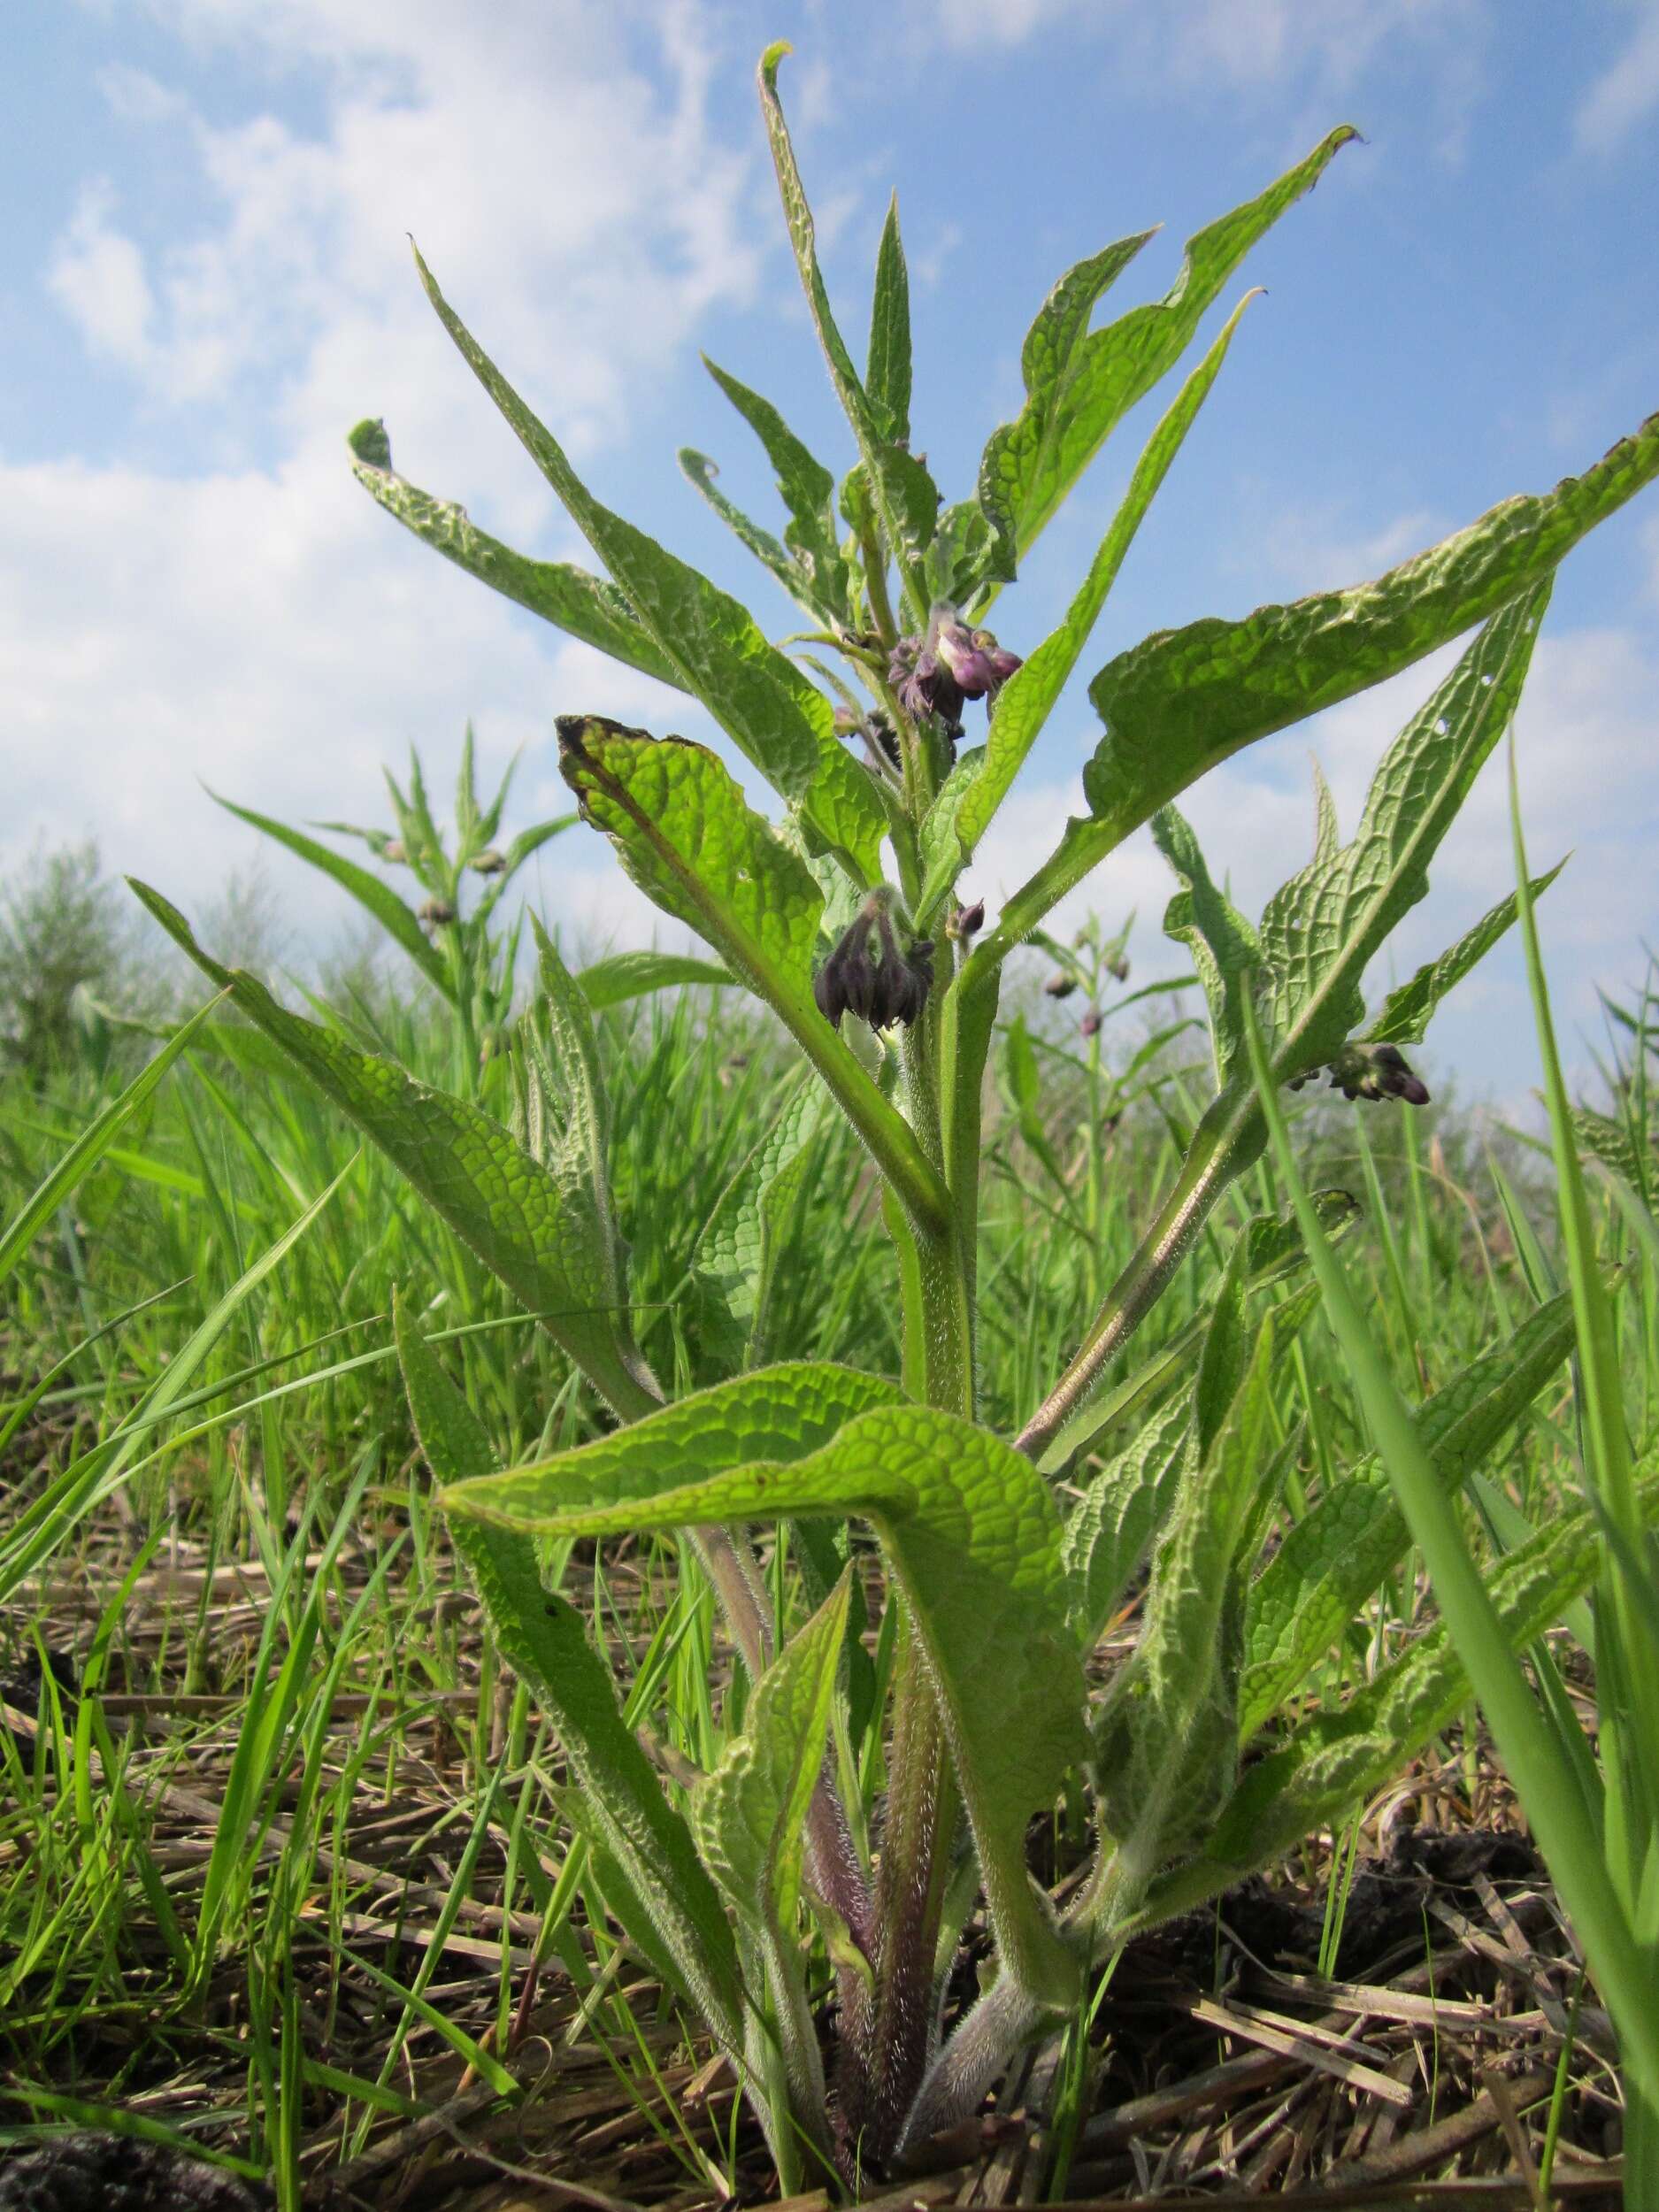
(1090, 1025)
(935, 672)
(489, 863)
(393, 850)
(436, 912)
(882, 988)
(965, 921)
(1060, 986)
(1118, 969)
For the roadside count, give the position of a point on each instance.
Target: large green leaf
(1165, 1741)
(1320, 928)
(686, 837)
(1335, 1760)
(769, 710)
(1109, 1529)
(542, 1237)
(1317, 936)
(1338, 1556)
(742, 1248)
(701, 473)
(584, 606)
(1026, 701)
(1080, 389)
(395, 917)
(974, 1541)
(542, 1637)
(750, 1815)
(1183, 700)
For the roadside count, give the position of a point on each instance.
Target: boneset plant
(806, 1897)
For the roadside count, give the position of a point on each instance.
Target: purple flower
(935, 673)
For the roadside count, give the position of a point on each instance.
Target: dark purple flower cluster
(949, 664)
(1372, 1071)
(883, 985)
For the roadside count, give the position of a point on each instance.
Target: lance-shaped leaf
(541, 1638)
(1407, 1011)
(625, 975)
(804, 485)
(769, 710)
(584, 606)
(686, 837)
(1081, 388)
(1335, 1760)
(1339, 1555)
(974, 1541)
(699, 472)
(1026, 701)
(748, 1818)
(1108, 1531)
(740, 1249)
(904, 495)
(887, 370)
(1317, 928)
(1165, 1741)
(748, 1815)
(394, 916)
(1183, 700)
(1222, 945)
(539, 1237)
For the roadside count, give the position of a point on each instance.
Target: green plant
(751, 1888)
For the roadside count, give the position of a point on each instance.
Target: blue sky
(205, 282)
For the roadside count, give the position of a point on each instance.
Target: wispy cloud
(1627, 91)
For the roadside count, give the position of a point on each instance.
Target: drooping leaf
(1183, 700)
(974, 1541)
(1337, 1557)
(1222, 945)
(1081, 388)
(1026, 701)
(625, 975)
(887, 370)
(685, 834)
(377, 898)
(584, 606)
(769, 710)
(543, 1243)
(1406, 1012)
(1335, 1760)
(541, 1638)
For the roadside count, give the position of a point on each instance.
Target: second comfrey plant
(805, 1898)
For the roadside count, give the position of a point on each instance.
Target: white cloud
(1627, 93)
(255, 623)
(97, 277)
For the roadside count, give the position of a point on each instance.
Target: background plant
(994, 1593)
